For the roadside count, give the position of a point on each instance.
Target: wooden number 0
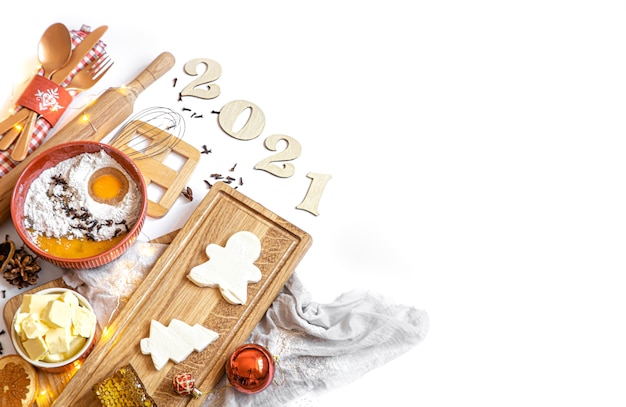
(212, 72)
(251, 129)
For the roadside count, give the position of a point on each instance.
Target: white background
(477, 159)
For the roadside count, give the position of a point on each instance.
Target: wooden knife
(79, 53)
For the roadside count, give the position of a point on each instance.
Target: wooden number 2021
(277, 164)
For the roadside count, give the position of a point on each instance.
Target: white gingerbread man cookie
(230, 268)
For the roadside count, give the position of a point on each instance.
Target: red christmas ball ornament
(185, 384)
(250, 369)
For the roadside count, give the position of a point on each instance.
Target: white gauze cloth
(318, 346)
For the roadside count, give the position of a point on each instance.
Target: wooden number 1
(314, 194)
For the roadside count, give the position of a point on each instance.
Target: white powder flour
(58, 203)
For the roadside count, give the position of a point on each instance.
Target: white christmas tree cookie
(230, 268)
(175, 342)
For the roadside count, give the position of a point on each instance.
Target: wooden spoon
(55, 49)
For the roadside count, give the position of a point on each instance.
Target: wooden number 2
(291, 152)
(211, 73)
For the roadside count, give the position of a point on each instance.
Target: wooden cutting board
(167, 293)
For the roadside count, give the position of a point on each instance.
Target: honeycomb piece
(123, 388)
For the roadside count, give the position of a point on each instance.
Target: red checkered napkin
(42, 127)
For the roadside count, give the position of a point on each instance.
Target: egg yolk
(76, 248)
(107, 186)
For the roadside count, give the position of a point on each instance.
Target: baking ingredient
(53, 327)
(175, 342)
(230, 268)
(63, 217)
(108, 185)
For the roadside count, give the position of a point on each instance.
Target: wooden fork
(83, 80)
(91, 73)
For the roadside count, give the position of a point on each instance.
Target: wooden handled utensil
(55, 49)
(58, 77)
(94, 122)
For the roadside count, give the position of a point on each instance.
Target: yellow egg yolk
(76, 248)
(107, 186)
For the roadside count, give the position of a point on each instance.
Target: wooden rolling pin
(93, 123)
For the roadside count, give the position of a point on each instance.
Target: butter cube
(77, 343)
(54, 358)
(37, 302)
(70, 299)
(83, 322)
(35, 348)
(32, 327)
(57, 313)
(58, 340)
(17, 325)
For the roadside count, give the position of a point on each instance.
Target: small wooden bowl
(52, 157)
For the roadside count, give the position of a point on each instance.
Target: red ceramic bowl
(52, 157)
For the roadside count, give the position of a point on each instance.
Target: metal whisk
(149, 133)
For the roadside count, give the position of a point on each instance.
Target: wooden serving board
(167, 293)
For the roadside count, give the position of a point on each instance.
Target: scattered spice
(174, 82)
(180, 97)
(205, 150)
(233, 167)
(188, 193)
(186, 109)
(208, 184)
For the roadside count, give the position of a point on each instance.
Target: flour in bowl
(58, 203)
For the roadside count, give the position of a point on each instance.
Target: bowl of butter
(54, 329)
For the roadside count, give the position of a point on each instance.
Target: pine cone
(22, 269)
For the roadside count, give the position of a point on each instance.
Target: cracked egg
(108, 185)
